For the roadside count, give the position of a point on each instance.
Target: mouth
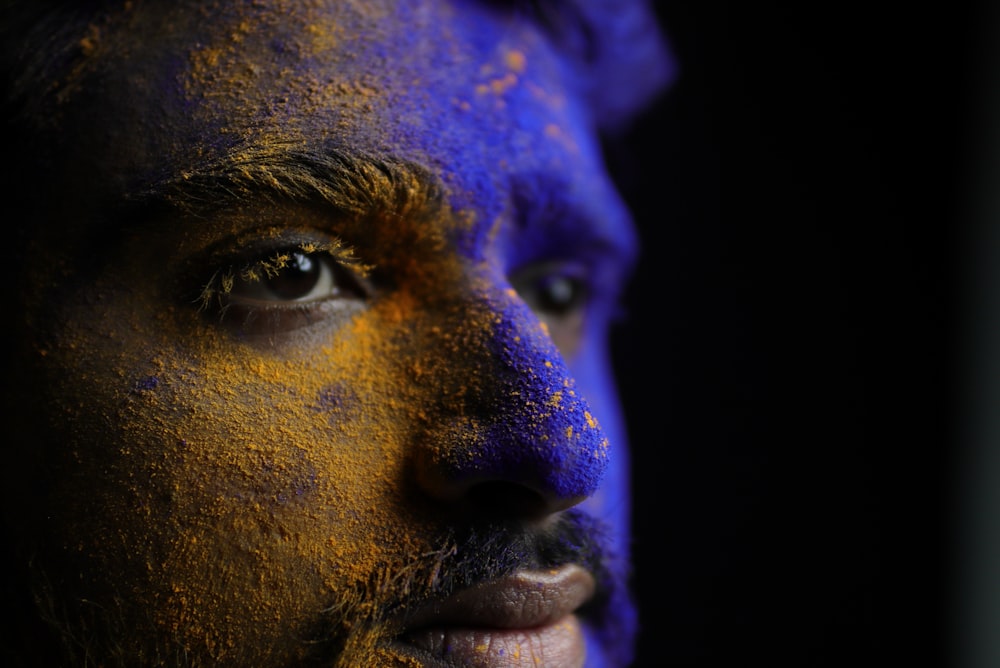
(525, 619)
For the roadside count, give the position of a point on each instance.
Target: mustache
(473, 555)
(486, 552)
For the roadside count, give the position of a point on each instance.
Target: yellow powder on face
(242, 459)
(238, 501)
(249, 78)
(89, 42)
(255, 485)
(498, 86)
(92, 45)
(516, 61)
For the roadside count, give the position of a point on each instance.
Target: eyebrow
(354, 184)
(361, 186)
(550, 215)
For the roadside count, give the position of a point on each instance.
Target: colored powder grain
(516, 61)
(146, 384)
(89, 42)
(503, 84)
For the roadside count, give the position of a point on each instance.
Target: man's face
(322, 343)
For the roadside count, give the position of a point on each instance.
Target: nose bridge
(522, 421)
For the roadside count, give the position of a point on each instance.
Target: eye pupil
(558, 294)
(296, 279)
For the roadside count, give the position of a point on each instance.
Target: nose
(511, 436)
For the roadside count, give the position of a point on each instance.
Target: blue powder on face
(329, 397)
(534, 427)
(334, 399)
(550, 415)
(147, 384)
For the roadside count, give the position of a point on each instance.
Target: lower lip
(559, 644)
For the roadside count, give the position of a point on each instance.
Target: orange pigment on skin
(229, 476)
(228, 430)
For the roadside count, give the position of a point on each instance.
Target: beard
(354, 629)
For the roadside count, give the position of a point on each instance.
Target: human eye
(559, 293)
(283, 284)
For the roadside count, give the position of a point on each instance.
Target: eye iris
(558, 294)
(296, 279)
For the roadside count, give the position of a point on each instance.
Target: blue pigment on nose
(539, 430)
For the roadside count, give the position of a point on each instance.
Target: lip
(523, 619)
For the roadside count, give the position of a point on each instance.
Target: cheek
(222, 482)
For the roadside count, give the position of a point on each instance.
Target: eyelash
(280, 283)
(561, 294)
(253, 270)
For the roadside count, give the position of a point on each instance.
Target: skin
(316, 300)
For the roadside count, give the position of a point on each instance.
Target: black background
(788, 366)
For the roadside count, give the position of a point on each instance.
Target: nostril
(502, 499)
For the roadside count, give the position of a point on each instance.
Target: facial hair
(354, 629)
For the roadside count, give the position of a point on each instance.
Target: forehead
(368, 74)
(460, 89)
(496, 100)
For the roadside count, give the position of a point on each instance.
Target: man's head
(313, 303)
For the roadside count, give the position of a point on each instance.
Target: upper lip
(523, 600)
